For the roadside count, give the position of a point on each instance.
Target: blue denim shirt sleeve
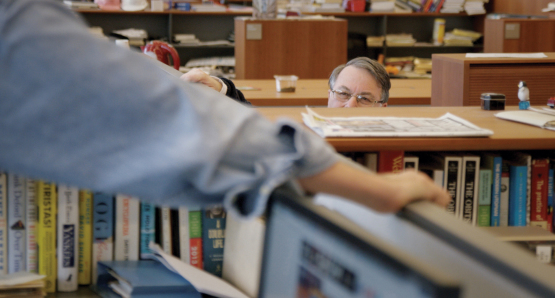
(76, 109)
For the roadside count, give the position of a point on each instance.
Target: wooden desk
(507, 135)
(532, 35)
(459, 81)
(315, 92)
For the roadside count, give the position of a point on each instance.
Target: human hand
(196, 75)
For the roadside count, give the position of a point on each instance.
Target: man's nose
(352, 102)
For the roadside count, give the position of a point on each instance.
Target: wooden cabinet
(459, 81)
(519, 35)
(309, 49)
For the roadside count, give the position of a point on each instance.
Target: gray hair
(374, 68)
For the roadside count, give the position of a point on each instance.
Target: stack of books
(452, 6)
(208, 6)
(22, 284)
(459, 37)
(374, 41)
(422, 65)
(382, 6)
(400, 40)
(328, 6)
(474, 7)
(185, 39)
(80, 4)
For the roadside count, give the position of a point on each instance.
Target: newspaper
(447, 125)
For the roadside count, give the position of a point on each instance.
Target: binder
(145, 278)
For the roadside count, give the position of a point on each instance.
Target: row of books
(487, 189)
(455, 37)
(62, 232)
(472, 7)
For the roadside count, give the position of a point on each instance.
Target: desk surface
(315, 92)
(507, 135)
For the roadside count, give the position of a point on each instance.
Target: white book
(410, 162)
(16, 224)
(68, 242)
(126, 245)
(166, 227)
(371, 161)
(31, 232)
(3, 225)
(504, 202)
(184, 234)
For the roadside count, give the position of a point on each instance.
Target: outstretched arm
(381, 192)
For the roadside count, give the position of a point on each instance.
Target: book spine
(68, 226)
(471, 165)
(31, 231)
(550, 193)
(126, 247)
(538, 204)
(195, 234)
(517, 196)
(148, 230)
(174, 221)
(213, 239)
(504, 199)
(184, 245)
(103, 230)
(371, 161)
(3, 225)
(166, 229)
(484, 198)
(85, 236)
(452, 180)
(410, 162)
(16, 224)
(46, 241)
(390, 161)
(496, 191)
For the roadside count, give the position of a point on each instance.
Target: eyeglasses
(363, 100)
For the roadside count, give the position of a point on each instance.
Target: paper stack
(474, 7)
(452, 6)
(374, 41)
(22, 284)
(399, 40)
(382, 6)
(459, 37)
(186, 39)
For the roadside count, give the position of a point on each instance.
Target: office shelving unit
(219, 25)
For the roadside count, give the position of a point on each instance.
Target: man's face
(355, 81)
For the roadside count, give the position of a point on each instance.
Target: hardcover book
(469, 189)
(3, 224)
(538, 204)
(195, 234)
(16, 224)
(184, 248)
(390, 161)
(68, 226)
(47, 203)
(148, 228)
(484, 198)
(166, 230)
(494, 162)
(103, 230)
(31, 220)
(504, 198)
(213, 239)
(452, 178)
(517, 195)
(524, 160)
(85, 236)
(126, 233)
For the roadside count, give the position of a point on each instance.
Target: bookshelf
(219, 25)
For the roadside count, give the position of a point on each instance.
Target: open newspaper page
(447, 125)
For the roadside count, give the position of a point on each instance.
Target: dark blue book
(144, 278)
(213, 239)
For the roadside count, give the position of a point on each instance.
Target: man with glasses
(361, 82)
